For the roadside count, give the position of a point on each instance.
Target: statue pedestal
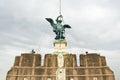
(60, 50)
(60, 46)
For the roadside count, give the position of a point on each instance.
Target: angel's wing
(49, 20)
(52, 23)
(66, 26)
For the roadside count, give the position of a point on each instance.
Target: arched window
(48, 78)
(95, 78)
(71, 79)
(25, 78)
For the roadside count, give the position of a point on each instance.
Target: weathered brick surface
(28, 67)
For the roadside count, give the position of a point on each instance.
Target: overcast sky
(95, 28)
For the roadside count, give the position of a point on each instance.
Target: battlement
(28, 67)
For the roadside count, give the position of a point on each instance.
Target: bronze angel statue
(58, 28)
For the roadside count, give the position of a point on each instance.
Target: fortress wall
(28, 67)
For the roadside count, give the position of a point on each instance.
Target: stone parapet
(28, 67)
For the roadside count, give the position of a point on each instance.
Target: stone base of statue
(60, 46)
